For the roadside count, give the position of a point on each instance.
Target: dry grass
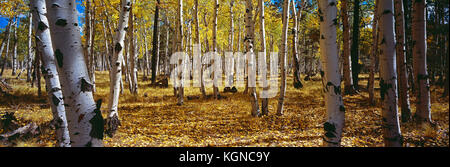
(152, 118)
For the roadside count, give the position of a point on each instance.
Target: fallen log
(28, 131)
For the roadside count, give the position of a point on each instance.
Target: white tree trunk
(112, 121)
(331, 78)
(30, 47)
(14, 57)
(133, 53)
(388, 75)
(423, 106)
(55, 95)
(83, 116)
(283, 55)
(216, 10)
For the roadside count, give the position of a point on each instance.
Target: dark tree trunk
(155, 49)
(356, 68)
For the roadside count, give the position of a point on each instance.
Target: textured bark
(296, 81)
(155, 49)
(347, 66)
(388, 76)
(54, 93)
(83, 115)
(248, 41)
(401, 61)
(331, 78)
(283, 55)
(423, 106)
(112, 121)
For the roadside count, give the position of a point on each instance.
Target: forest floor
(152, 118)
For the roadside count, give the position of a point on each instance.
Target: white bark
(179, 27)
(83, 116)
(388, 75)
(331, 78)
(113, 121)
(50, 72)
(215, 13)
(30, 47)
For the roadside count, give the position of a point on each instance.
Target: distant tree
(347, 65)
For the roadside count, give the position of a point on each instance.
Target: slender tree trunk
(348, 79)
(146, 60)
(297, 81)
(14, 57)
(283, 50)
(249, 43)
(37, 71)
(133, 54)
(166, 55)
(388, 76)
(331, 78)
(113, 121)
(92, 58)
(216, 10)
(373, 56)
(401, 61)
(180, 89)
(8, 37)
(355, 66)
(88, 36)
(54, 93)
(30, 47)
(262, 33)
(197, 41)
(423, 106)
(155, 41)
(107, 53)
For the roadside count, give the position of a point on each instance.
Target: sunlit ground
(153, 119)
